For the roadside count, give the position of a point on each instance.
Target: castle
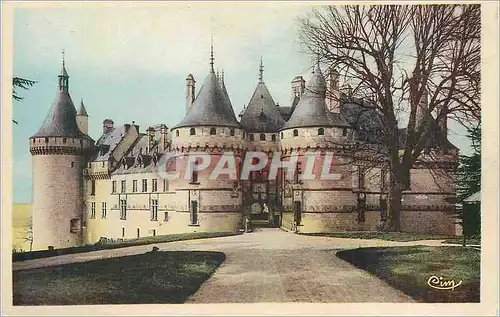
(85, 190)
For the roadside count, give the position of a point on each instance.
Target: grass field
(410, 268)
(20, 222)
(389, 236)
(153, 277)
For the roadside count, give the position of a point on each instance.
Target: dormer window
(295, 132)
(192, 131)
(251, 137)
(273, 137)
(64, 140)
(46, 140)
(231, 132)
(321, 131)
(262, 137)
(212, 131)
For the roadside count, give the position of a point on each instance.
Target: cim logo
(440, 283)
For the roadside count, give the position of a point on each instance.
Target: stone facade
(115, 188)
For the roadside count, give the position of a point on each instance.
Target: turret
(59, 151)
(82, 118)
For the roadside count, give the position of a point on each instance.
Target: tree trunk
(394, 208)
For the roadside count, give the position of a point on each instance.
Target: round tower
(59, 150)
(318, 195)
(210, 128)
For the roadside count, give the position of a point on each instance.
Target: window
(177, 133)
(124, 186)
(192, 131)
(123, 209)
(165, 185)
(361, 178)
(321, 131)
(103, 163)
(134, 186)
(298, 172)
(104, 214)
(154, 209)
(154, 233)
(165, 216)
(113, 187)
(123, 232)
(295, 132)
(262, 137)
(251, 137)
(74, 225)
(138, 232)
(72, 164)
(231, 132)
(46, 140)
(244, 135)
(92, 210)
(194, 212)
(212, 131)
(273, 137)
(194, 177)
(92, 187)
(144, 185)
(344, 132)
(281, 135)
(154, 185)
(361, 208)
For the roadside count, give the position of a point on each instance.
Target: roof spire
(64, 62)
(261, 71)
(63, 77)
(212, 55)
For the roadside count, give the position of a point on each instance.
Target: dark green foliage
(152, 277)
(18, 82)
(468, 183)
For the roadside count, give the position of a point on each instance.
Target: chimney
(190, 91)
(442, 120)
(298, 86)
(163, 138)
(107, 125)
(151, 138)
(332, 91)
(422, 108)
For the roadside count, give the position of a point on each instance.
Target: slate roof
(311, 110)
(61, 119)
(137, 159)
(82, 111)
(262, 114)
(211, 107)
(108, 141)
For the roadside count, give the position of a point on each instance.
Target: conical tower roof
(262, 114)
(311, 110)
(82, 111)
(211, 107)
(61, 119)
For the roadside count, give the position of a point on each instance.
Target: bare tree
(29, 233)
(417, 65)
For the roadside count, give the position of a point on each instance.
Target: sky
(130, 62)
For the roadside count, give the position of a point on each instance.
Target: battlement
(59, 145)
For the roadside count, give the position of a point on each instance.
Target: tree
(18, 82)
(469, 182)
(419, 64)
(29, 233)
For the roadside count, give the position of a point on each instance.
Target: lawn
(409, 269)
(389, 236)
(153, 277)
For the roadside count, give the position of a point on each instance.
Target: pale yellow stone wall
(181, 138)
(82, 122)
(308, 137)
(57, 198)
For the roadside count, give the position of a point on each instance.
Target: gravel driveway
(270, 265)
